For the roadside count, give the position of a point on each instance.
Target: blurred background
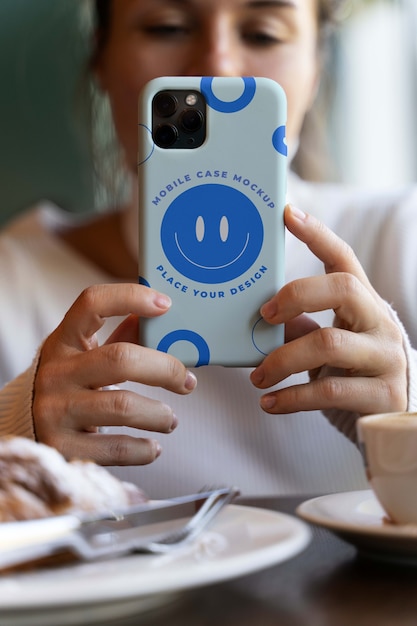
(364, 122)
(44, 149)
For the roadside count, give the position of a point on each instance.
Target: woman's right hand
(69, 402)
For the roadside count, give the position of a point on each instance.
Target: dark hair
(331, 12)
(103, 13)
(102, 20)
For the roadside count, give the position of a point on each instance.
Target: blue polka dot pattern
(224, 106)
(278, 141)
(188, 336)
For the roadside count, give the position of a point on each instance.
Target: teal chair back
(44, 150)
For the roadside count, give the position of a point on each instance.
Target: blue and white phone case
(211, 231)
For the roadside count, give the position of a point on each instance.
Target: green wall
(43, 142)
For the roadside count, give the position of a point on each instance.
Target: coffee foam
(393, 421)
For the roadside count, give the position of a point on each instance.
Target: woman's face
(150, 38)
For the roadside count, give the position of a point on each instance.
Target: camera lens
(165, 104)
(165, 135)
(191, 120)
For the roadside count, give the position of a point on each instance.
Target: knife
(112, 533)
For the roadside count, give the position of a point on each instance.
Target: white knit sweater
(223, 436)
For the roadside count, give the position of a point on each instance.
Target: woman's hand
(69, 404)
(357, 365)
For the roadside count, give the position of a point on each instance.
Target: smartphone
(212, 185)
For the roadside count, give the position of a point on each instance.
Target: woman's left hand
(359, 364)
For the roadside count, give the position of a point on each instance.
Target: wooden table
(326, 585)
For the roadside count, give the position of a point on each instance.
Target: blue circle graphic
(190, 336)
(255, 327)
(224, 106)
(212, 233)
(143, 281)
(278, 141)
(148, 133)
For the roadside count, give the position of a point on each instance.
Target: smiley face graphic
(212, 233)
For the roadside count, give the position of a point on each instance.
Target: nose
(216, 50)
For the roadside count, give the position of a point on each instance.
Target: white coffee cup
(388, 443)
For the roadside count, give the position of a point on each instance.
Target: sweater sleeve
(16, 405)
(345, 421)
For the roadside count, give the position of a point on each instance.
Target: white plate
(357, 517)
(241, 540)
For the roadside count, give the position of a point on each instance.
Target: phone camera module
(179, 119)
(166, 135)
(165, 104)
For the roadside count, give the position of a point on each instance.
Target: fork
(118, 535)
(187, 533)
(90, 546)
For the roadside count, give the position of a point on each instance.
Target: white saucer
(357, 517)
(240, 541)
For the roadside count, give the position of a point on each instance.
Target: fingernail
(158, 449)
(257, 376)
(268, 402)
(162, 301)
(298, 213)
(174, 422)
(190, 381)
(269, 309)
